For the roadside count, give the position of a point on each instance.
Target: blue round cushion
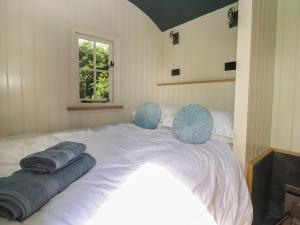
(193, 124)
(148, 116)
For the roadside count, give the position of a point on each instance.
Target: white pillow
(215, 137)
(168, 113)
(223, 126)
(222, 122)
(133, 115)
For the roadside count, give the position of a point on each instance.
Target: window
(95, 69)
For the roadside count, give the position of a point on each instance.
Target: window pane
(102, 56)
(86, 84)
(86, 54)
(102, 87)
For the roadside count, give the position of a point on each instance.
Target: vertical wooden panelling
(41, 68)
(53, 80)
(296, 122)
(286, 107)
(35, 63)
(243, 79)
(262, 64)
(4, 109)
(14, 69)
(35, 74)
(27, 65)
(255, 77)
(63, 58)
(206, 43)
(254, 82)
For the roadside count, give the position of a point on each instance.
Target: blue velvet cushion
(148, 116)
(193, 124)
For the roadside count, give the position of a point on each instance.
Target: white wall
(35, 42)
(255, 76)
(35, 65)
(35, 70)
(286, 107)
(242, 80)
(206, 43)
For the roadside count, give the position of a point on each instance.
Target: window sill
(93, 107)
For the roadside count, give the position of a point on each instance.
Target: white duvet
(142, 177)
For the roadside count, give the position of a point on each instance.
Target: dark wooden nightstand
(272, 177)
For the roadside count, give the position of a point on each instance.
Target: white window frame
(95, 70)
(96, 36)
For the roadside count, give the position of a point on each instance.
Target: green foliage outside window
(94, 88)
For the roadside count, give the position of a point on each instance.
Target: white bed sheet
(210, 171)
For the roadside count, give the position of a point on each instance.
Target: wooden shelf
(196, 82)
(94, 107)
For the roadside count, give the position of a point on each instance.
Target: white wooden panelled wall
(286, 107)
(262, 77)
(205, 44)
(35, 43)
(35, 39)
(255, 77)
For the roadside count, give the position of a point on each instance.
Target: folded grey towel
(24, 192)
(53, 158)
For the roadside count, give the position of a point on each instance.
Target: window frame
(110, 70)
(101, 37)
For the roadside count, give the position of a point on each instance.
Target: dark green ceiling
(170, 13)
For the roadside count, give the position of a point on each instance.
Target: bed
(203, 184)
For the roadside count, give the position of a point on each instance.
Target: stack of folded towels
(43, 175)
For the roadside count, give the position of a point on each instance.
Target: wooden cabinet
(271, 178)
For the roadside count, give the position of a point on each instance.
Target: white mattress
(141, 177)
